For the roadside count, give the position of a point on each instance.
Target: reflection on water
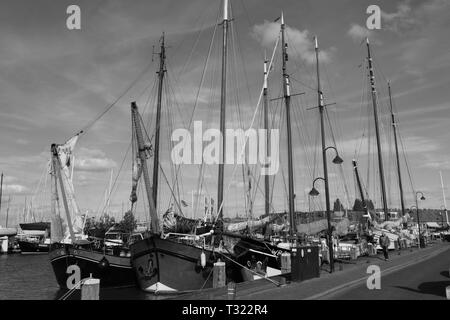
(30, 277)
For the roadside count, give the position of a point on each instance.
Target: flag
(184, 203)
(277, 19)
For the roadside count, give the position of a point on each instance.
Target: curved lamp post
(417, 210)
(314, 193)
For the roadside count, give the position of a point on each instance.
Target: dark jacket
(384, 241)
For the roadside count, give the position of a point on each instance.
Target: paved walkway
(346, 275)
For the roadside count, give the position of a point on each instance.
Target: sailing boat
(174, 261)
(73, 255)
(264, 257)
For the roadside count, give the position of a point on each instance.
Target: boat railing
(186, 236)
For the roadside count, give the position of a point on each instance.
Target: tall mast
(394, 126)
(222, 109)
(377, 130)
(161, 72)
(142, 152)
(266, 127)
(287, 100)
(324, 153)
(443, 195)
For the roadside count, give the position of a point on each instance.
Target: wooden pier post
(447, 292)
(90, 289)
(285, 262)
(219, 274)
(231, 291)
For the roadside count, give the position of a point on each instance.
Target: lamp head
(314, 192)
(422, 198)
(337, 160)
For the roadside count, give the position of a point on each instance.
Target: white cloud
(15, 189)
(359, 33)
(300, 42)
(93, 160)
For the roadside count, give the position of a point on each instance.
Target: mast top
(265, 74)
(282, 18)
(367, 40)
(315, 43)
(225, 10)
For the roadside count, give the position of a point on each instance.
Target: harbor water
(31, 277)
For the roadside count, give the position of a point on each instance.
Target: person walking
(384, 243)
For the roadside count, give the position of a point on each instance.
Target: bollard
(90, 289)
(219, 275)
(341, 267)
(447, 291)
(282, 281)
(285, 262)
(231, 291)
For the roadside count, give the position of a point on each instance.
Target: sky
(55, 82)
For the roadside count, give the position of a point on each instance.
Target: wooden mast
(377, 130)
(142, 153)
(394, 126)
(266, 127)
(287, 100)
(161, 72)
(222, 110)
(324, 156)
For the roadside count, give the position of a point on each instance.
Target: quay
(346, 276)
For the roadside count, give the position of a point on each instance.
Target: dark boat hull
(446, 237)
(167, 266)
(260, 257)
(27, 247)
(39, 226)
(113, 271)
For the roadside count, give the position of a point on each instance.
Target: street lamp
(337, 159)
(417, 210)
(314, 192)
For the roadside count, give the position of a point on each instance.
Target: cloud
(398, 22)
(359, 33)
(300, 41)
(401, 20)
(15, 189)
(93, 160)
(413, 145)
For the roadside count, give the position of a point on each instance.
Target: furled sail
(251, 224)
(136, 174)
(66, 157)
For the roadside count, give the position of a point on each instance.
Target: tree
(128, 223)
(338, 205)
(98, 228)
